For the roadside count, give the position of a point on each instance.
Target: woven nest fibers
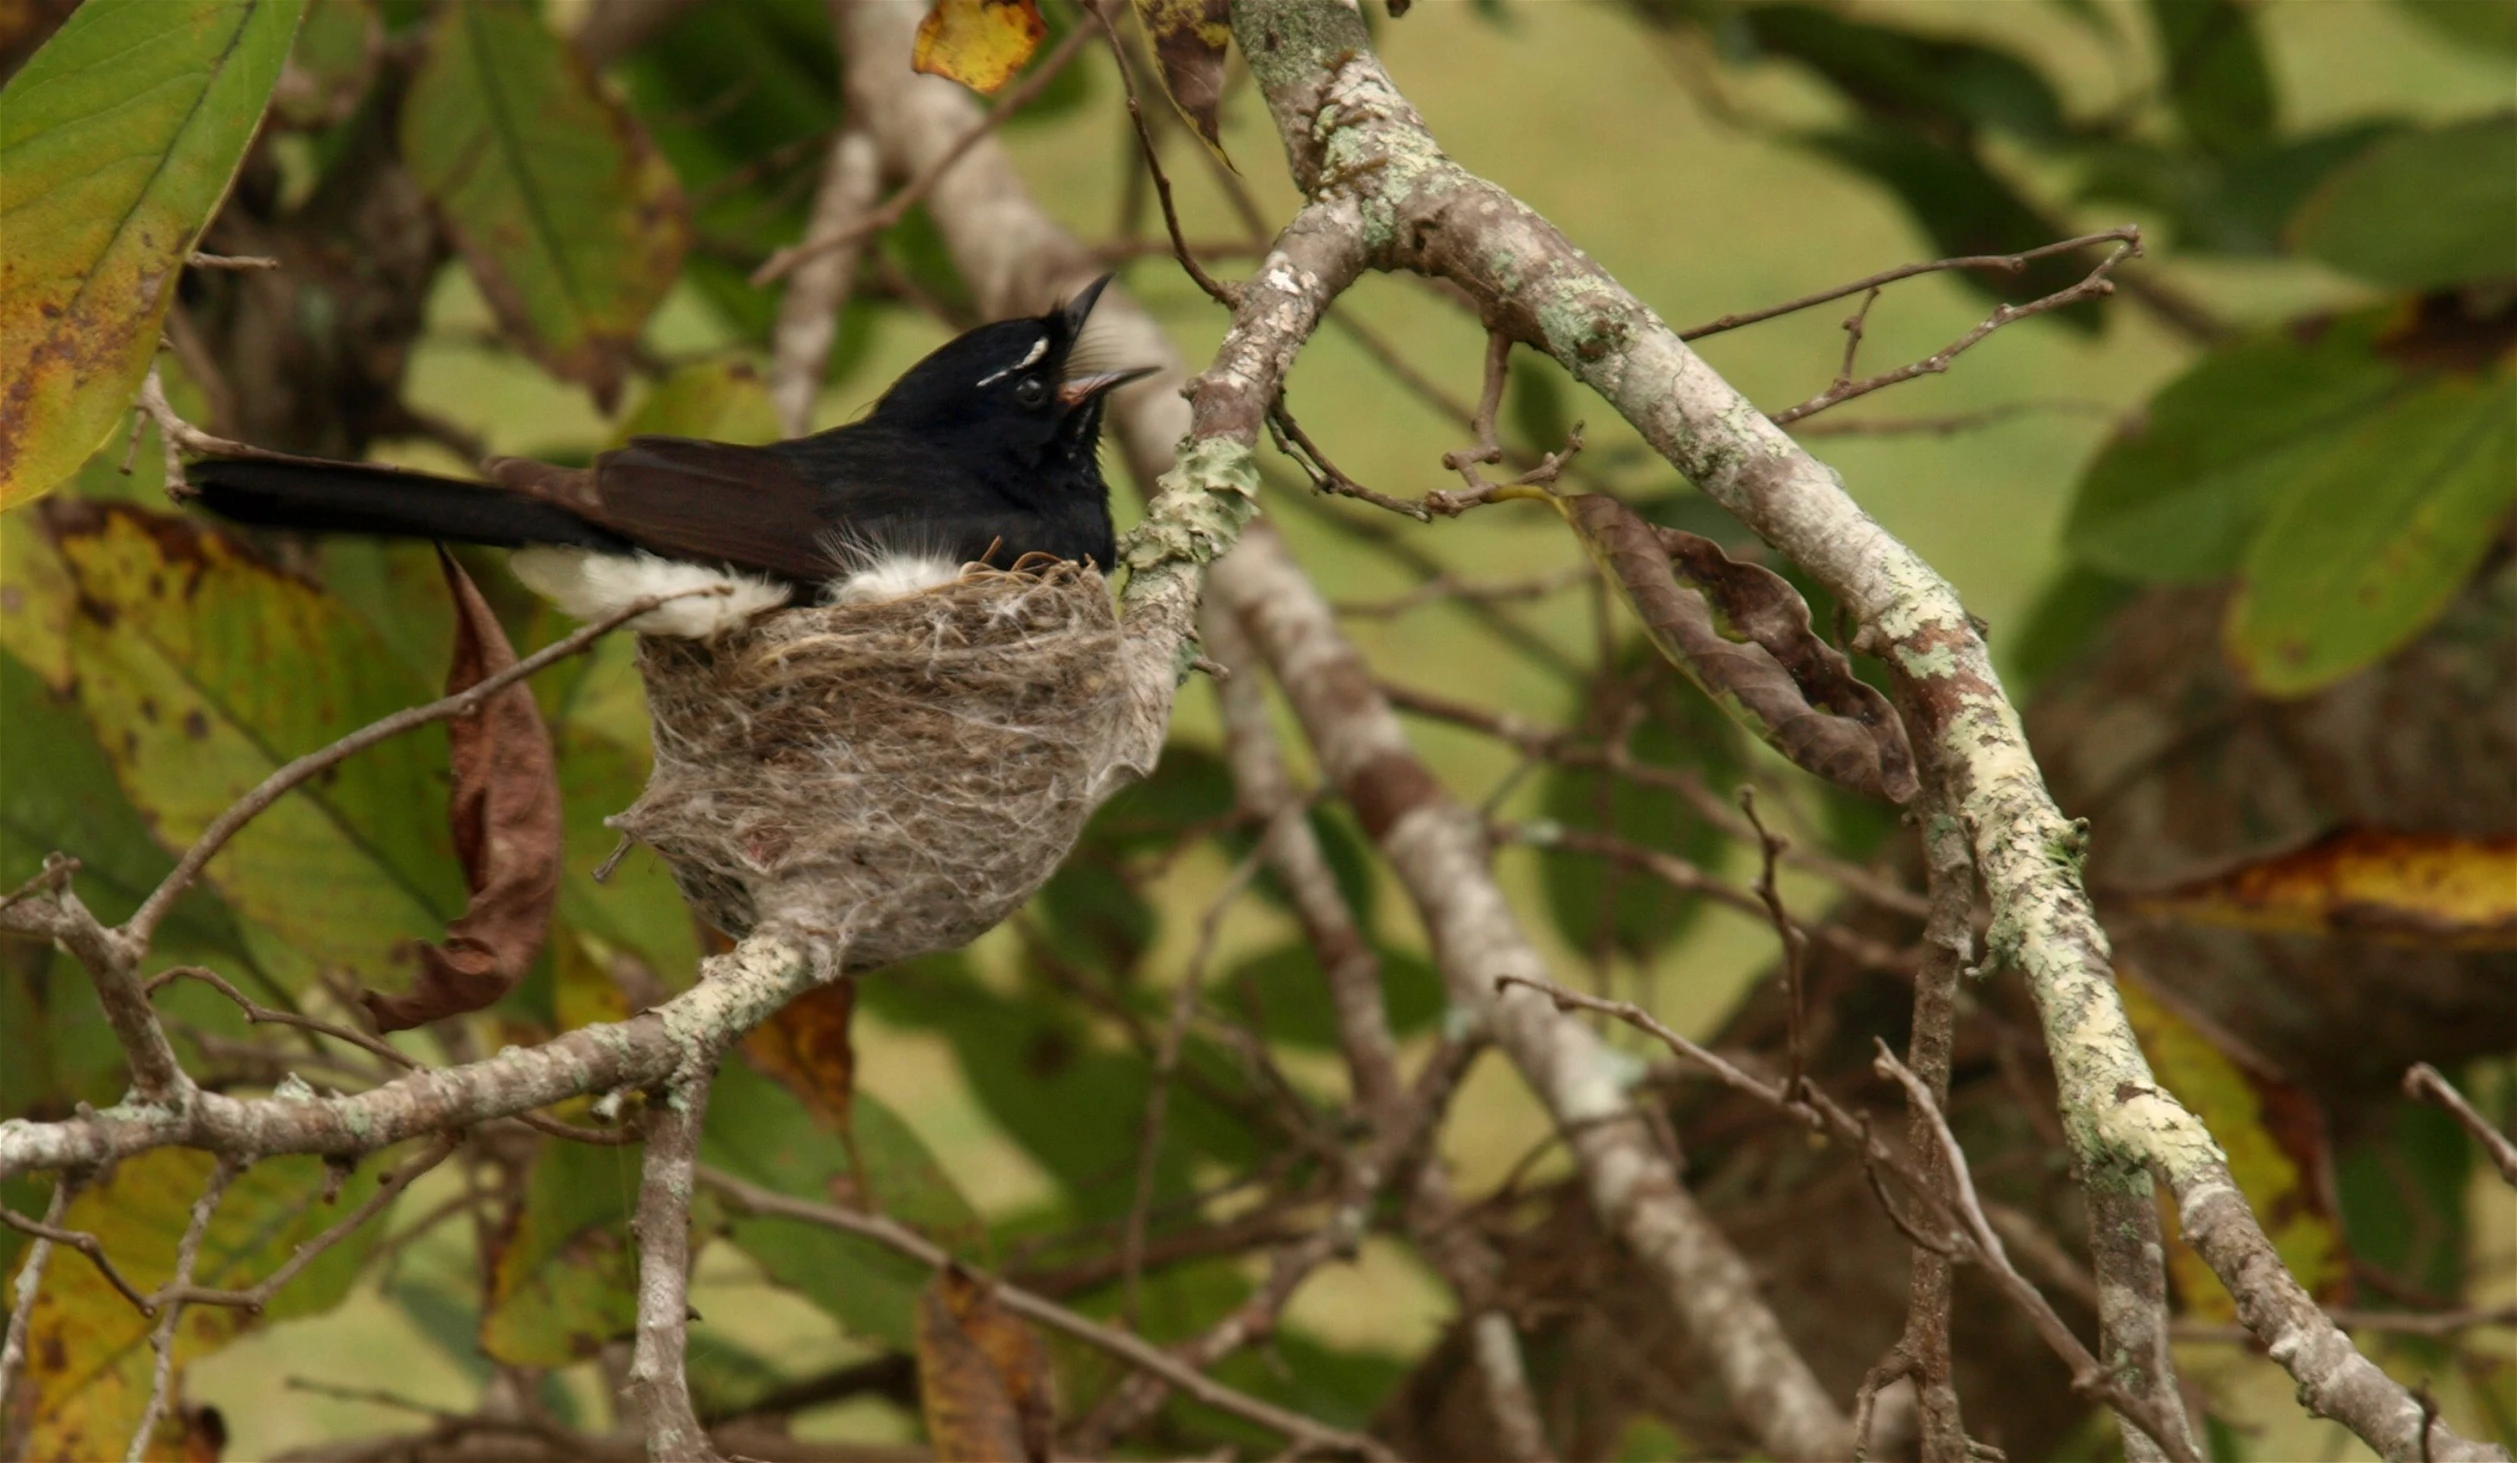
(903, 773)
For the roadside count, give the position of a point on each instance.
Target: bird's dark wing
(746, 506)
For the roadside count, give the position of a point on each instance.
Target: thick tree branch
(1350, 137)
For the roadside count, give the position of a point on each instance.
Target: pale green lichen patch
(1925, 665)
(1209, 494)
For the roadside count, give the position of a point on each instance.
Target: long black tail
(353, 498)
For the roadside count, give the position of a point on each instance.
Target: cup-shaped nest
(903, 774)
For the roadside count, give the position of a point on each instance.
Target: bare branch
(1228, 296)
(162, 1340)
(111, 959)
(1795, 943)
(2425, 1083)
(1137, 1352)
(658, 1385)
(48, 1232)
(808, 313)
(30, 1283)
(2000, 263)
(388, 1188)
(1845, 389)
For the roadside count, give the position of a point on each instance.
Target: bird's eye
(1031, 391)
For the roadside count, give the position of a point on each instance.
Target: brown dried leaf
(984, 1378)
(980, 43)
(2439, 889)
(1741, 633)
(507, 831)
(1190, 40)
(806, 1048)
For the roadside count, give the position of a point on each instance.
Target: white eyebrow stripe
(1039, 348)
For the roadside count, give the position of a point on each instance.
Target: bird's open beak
(1074, 391)
(1079, 309)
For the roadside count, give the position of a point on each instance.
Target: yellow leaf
(2419, 888)
(2274, 1133)
(979, 43)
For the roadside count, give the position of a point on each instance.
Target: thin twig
(388, 1188)
(895, 208)
(143, 922)
(162, 1340)
(49, 1232)
(257, 1014)
(2425, 1083)
(1312, 1436)
(1449, 588)
(1951, 425)
(1228, 296)
(1175, 1035)
(1795, 944)
(2094, 284)
(1554, 744)
(2004, 263)
(1813, 1107)
(1325, 475)
(30, 1283)
(198, 260)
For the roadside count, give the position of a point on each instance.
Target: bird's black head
(1014, 395)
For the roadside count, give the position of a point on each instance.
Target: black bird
(985, 451)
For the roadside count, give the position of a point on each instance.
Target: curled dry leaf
(984, 1379)
(982, 44)
(1190, 40)
(1741, 633)
(507, 831)
(2440, 889)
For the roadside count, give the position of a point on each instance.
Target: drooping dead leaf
(507, 831)
(1191, 39)
(2275, 1134)
(984, 1379)
(982, 44)
(1741, 633)
(2438, 889)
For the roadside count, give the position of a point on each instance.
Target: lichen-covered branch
(659, 1383)
(737, 991)
(1349, 135)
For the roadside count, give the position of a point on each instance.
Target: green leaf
(2177, 495)
(762, 1132)
(722, 400)
(210, 669)
(2422, 211)
(570, 222)
(2216, 75)
(76, 807)
(1955, 197)
(2491, 24)
(1287, 997)
(2065, 620)
(1596, 902)
(1073, 1104)
(117, 141)
(638, 907)
(2370, 544)
(1911, 78)
(89, 1361)
(565, 1280)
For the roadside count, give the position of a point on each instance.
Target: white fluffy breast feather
(890, 576)
(590, 585)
